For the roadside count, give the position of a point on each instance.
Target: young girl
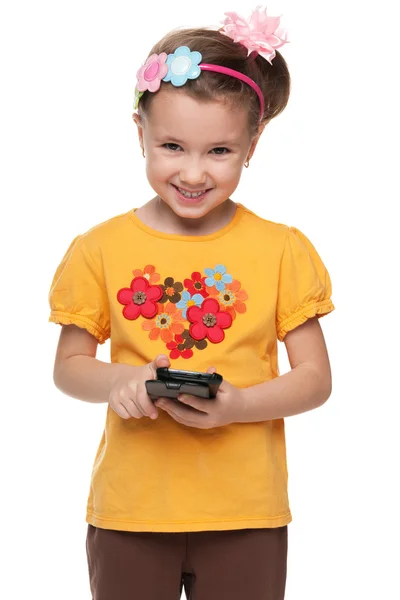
(194, 493)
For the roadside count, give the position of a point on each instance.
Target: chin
(192, 209)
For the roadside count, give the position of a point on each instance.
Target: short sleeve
(78, 293)
(305, 288)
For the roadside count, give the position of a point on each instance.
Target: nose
(192, 172)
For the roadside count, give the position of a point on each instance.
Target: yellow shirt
(148, 292)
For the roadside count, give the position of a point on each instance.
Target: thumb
(160, 361)
(211, 370)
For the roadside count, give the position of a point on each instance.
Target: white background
(328, 165)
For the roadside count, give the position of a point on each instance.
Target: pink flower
(152, 72)
(259, 34)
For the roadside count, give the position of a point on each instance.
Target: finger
(161, 360)
(145, 403)
(211, 370)
(122, 412)
(181, 412)
(130, 399)
(163, 403)
(132, 408)
(169, 407)
(195, 402)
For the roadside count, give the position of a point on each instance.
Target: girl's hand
(201, 413)
(128, 396)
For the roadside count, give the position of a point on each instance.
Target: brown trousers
(244, 564)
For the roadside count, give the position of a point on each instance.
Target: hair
(217, 48)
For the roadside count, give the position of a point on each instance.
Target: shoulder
(277, 233)
(112, 227)
(102, 239)
(106, 236)
(269, 231)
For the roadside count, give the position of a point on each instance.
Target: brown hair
(217, 48)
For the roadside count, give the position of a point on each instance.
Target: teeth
(191, 195)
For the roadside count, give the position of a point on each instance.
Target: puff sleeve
(304, 289)
(78, 293)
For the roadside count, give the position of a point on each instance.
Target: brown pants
(244, 564)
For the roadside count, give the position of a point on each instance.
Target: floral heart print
(186, 315)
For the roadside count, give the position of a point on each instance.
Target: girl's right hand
(128, 396)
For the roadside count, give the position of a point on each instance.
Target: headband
(260, 35)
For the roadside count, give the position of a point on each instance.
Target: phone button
(173, 385)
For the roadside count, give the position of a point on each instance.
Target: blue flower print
(188, 300)
(182, 65)
(218, 277)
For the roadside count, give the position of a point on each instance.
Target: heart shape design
(184, 315)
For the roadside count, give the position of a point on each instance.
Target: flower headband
(260, 35)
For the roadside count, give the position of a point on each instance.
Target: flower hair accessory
(150, 74)
(261, 35)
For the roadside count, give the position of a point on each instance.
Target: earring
(144, 156)
(247, 164)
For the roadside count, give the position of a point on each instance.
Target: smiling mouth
(191, 194)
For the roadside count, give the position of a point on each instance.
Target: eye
(221, 151)
(171, 146)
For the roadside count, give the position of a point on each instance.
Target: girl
(194, 493)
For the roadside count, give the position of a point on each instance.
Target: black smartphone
(171, 382)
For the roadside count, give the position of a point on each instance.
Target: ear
(136, 119)
(254, 141)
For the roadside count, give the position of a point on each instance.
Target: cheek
(155, 169)
(228, 173)
(158, 167)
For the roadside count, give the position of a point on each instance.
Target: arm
(77, 371)
(307, 386)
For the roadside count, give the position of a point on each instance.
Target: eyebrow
(168, 138)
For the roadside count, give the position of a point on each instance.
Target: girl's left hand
(201, 413)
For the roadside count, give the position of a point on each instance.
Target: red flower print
(208, 321)
(231, 299)
(178, 349)
(148, 273)
(140, 299)
(196, 285)
(169, 321)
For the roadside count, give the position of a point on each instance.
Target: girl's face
(195, 151)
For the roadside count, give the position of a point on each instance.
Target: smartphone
(171, 382)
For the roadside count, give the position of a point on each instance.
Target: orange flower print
(148, 273)
(168, 322)
(231, 299)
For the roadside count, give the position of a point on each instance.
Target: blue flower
(218, 277)
(188, 300)
(182, 65)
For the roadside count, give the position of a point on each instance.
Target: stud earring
(144, 156)
(247, 164)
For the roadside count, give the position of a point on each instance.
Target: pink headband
(260, 35)
(238, 75)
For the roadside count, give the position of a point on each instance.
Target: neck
(158, 215)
